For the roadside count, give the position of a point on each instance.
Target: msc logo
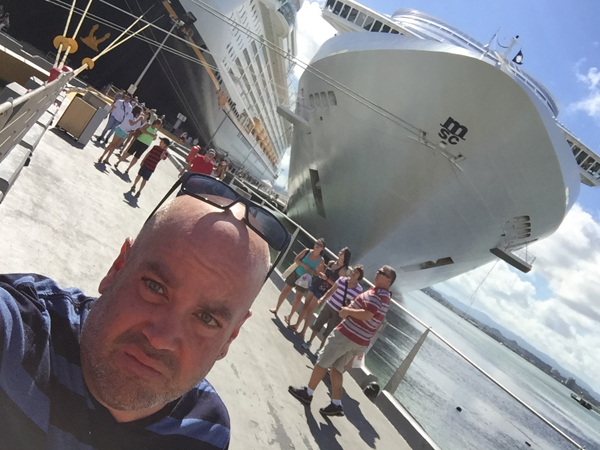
(452, 131)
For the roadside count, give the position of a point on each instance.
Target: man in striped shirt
(126, 370)
(350, 338)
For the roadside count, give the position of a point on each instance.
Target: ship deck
(67, 217)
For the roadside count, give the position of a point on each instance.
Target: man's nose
(164, 331)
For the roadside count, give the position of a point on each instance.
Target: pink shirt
(374, 300)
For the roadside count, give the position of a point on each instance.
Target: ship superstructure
(254, 77)
(419, 147)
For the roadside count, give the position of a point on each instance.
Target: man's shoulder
(199, 414)
(37, 293)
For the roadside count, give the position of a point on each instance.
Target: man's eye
(155, 287)
(208, 319)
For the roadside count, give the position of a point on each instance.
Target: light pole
(135, 85)
(186, 20)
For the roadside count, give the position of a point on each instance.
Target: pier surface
(66, 217)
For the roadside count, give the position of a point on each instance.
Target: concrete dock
(66, 217)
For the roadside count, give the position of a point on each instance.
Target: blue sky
(555, 307)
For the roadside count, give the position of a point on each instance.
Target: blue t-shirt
(309, 262)
(44, 401)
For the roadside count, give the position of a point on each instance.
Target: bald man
(127, 370)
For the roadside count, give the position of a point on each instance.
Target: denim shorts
(120, 133)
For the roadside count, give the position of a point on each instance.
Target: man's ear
(117, 265)
(235, 333)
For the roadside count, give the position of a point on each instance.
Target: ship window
(345, 11)
(317, 99)
(581, 157)
(330, 4)
(376, 27)
(353, 15)
(396, 32)
(385, 29)
(595, 168)
(324, 99)
(337, 7)
(586, 165)
(575, 149)
(317, 193)
(360, 19)
(332, 99)
(311, 100)
(368, 23)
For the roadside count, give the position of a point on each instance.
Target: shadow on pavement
(356, 418)
(290, 335)
(67, 137)
(130, 199)
(122, 175)
(324, 434)
(100, 166)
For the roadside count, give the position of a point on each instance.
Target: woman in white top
(132, 121)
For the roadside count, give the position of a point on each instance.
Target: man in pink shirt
(350, 338)
(201, 164)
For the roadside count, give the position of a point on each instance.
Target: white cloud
(590, 104)
(565, 326)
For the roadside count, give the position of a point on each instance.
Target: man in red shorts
(201, 164)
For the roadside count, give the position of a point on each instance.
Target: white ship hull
(394, 200)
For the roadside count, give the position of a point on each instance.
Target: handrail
(461, 354)
(10, 104)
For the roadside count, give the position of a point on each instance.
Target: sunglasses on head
(381, 272)
(223, 196)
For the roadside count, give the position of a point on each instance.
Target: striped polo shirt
(153, 158)
(336, 301)
(44, 401)
(374, 300)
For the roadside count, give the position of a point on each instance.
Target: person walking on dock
(132, 121)
(148, 166)
(118, 112)
(201, 163)
(141, 144)
(350, 338)
(341, 294)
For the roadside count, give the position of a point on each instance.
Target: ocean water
(439, 381)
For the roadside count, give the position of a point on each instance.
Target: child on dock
(150, 162)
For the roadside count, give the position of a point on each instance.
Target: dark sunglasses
(222, 196)
(381, 272)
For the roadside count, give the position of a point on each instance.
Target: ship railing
(22, 125)
(385, 352)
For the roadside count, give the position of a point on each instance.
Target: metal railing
(302, 239)
(18, 115)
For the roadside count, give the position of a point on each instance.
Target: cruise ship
(226, 67)
(420, 147)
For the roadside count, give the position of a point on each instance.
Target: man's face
(173, 309)
(210, 156)
(383, 279)
(127, 98)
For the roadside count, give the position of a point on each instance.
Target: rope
(472, 298)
